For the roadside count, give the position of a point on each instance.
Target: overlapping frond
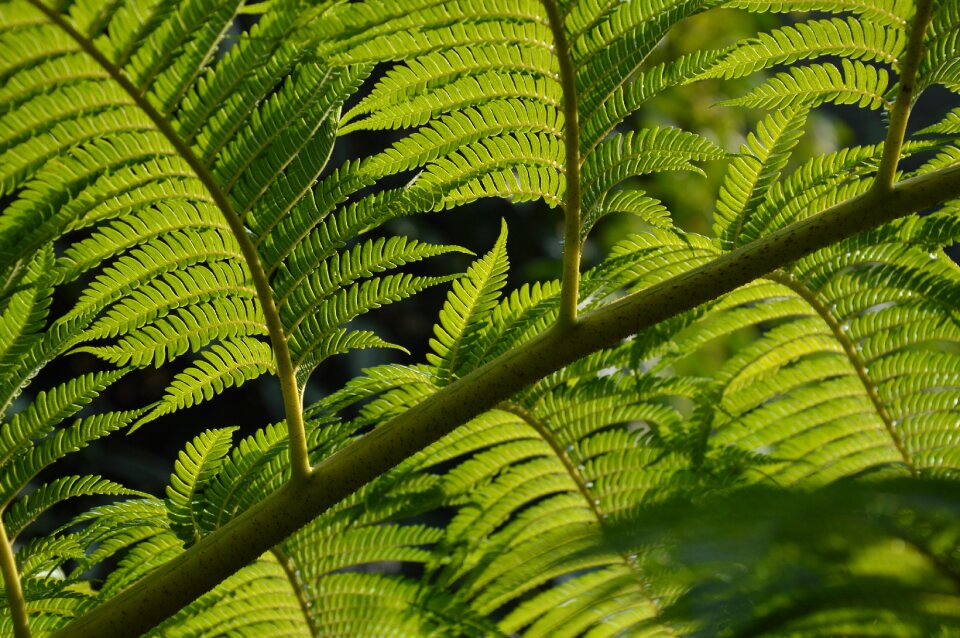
(850, 374)
(853, 38)
(170, 172)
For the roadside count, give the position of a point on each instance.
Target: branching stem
(299, 459)
(191, 574)
(11, 583)
(900, 113)
(570, 282)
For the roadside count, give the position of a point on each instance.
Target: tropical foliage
(173, 196)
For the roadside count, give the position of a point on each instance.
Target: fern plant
(173, 177)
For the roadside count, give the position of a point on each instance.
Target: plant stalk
(11, 583)
(200, 568)
(570, 281)
(900, 113)
(286, 374)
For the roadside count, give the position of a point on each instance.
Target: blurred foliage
(871, 558)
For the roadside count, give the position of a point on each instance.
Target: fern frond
(447, 134)
(435, 71)
(25, 466)
(360, 262)
(129, 230)
(598, 121)
(49, 408)
(633, 202)
(256, 601)
(346, 29)
(226, 364)
(852, 38)
(464, 315)
(339, 341)
(894, 13)
(520, 166)
(311, 329)
(218, 103)
(197, 463)
(137, 527)
(28, 508)
(754, 171)
(299, 119)
(638, 152)
(605, 61)
(862, 84)
(256, 465)
(816, 393)
(23, 313)
(173, 55)
(462, 93)
(168, 253)
(938, 64)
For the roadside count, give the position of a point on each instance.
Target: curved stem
(299, 459)
(297, 585)
(201, 567)
(853, 354)
(570, 281)
(11, 583)
(545, 433)
(543, 430)
(900, 114)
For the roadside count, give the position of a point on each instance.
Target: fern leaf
(447, 134)
(197, 463)
(633, 202)
(311, 331)
(862, 84)
(343, 269)
(28, 508)
(129, 230)
(893, 13)
(638, 152)
(298, 119)
(218, 103)
(23, 314)
(464, 315)
(61, 442)
(110, 530)
(170, 252)
(854, 39)
(603, 65)
(51, 407)
(751, 175)
(598, 121)
(464, 92)
(228, 363)
(257, 464)
(186, 330)
(391, 25)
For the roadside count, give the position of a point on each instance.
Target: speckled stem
(177, 583)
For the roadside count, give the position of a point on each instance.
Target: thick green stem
(900, 114)
(570, 282)
(11, 584)
(293, 409)
(204, 565)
